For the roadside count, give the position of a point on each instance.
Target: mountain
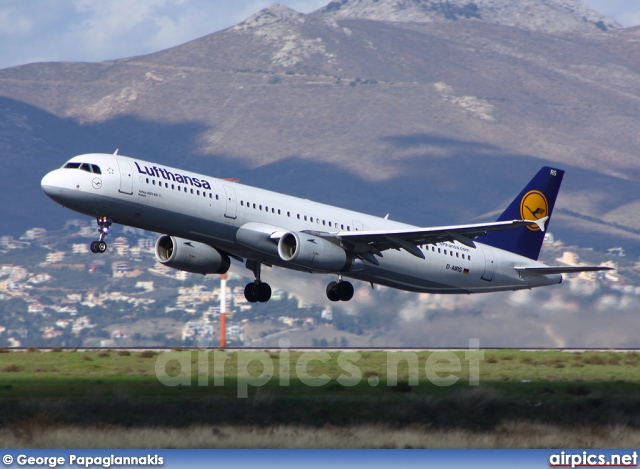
(554, 16)
(434, 111)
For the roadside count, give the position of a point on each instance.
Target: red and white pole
(223, 311)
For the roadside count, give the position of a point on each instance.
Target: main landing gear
(103, 228)
(257, 290)
(340, 290)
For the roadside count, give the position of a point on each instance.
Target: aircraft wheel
(345, 291)
(249, 293)
(101, 246)
(263, 292)
(94, 246)
(332, 292)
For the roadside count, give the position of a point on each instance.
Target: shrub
(12, 368)
(578, 390)
(595, 360)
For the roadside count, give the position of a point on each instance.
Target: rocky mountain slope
(554, 16)
(437, 112)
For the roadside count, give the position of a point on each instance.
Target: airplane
(207, 221)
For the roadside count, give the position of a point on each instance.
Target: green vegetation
(67, 389)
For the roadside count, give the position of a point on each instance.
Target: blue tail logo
(534, 206)
(535, 202)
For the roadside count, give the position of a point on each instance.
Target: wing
(548, 270)
(368, 244)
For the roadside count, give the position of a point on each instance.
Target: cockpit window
(90, 168)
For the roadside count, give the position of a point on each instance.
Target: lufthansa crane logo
(534, 206)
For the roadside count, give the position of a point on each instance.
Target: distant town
(55, 293)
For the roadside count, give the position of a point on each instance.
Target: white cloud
(86, 30)
(625, 12)
(14, 23)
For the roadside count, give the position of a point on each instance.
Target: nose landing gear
(340, 290)
(103, 228)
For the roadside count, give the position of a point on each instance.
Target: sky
(90, 30)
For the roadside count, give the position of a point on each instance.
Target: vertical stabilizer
(535, 202)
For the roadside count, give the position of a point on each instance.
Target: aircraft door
(126, 177)
(231, 208)
(357, 226)
(489, 264)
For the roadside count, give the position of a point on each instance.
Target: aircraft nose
(51, 184)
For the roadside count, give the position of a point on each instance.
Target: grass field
(316, 399)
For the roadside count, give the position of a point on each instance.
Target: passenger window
(298, 216)
(192, 191)
(305, 218)
(311, 219)
(439, 251)
(457, 254)
(153, 182)
(96, 169)
(173, 187)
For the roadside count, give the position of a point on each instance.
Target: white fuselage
(208, 210)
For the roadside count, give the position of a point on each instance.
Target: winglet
(541, 223)
(115, 153)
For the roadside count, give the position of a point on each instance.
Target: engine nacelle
(198, 258)
(314, 253)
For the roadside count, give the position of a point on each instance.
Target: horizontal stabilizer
(549, 270)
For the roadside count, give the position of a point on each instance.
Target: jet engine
(183, 254)
(314, 253)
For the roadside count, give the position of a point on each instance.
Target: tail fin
(536, 201)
